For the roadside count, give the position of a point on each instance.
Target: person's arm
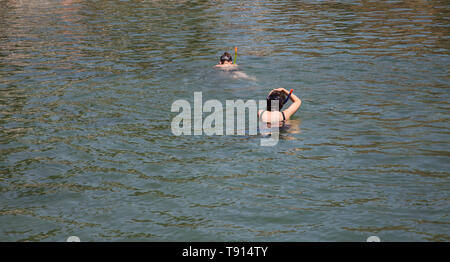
(296, 102)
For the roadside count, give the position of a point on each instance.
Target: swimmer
(226, 63)
(271, 115)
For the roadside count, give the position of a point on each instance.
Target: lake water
(86, 147)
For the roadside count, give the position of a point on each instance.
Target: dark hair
(276, 95)
(226, 57)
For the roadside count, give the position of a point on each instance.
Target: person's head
(275, 95)
(226, 58)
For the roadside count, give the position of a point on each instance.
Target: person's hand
(282, 90)
(273, 90)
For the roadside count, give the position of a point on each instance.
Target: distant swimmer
(226, 64)
(279, 96)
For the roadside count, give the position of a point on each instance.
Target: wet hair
(276, 95)
(226, 57)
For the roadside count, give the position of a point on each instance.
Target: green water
(86, 147)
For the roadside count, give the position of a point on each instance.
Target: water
(86, 147)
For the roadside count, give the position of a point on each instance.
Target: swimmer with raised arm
(271, 115)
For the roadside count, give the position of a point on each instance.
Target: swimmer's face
(226, 59)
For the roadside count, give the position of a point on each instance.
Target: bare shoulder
(226, 66)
